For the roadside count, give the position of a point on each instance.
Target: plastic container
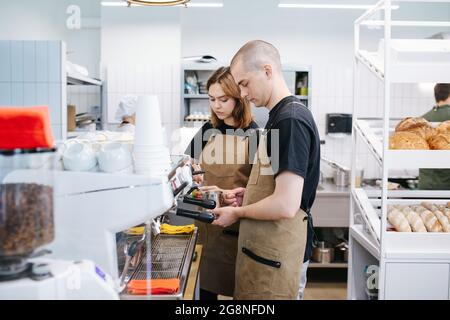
(26, 201)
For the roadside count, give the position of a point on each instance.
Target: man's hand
(225, 216)
(234, 197)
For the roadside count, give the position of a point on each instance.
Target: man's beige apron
(217, 268)
(270, 253)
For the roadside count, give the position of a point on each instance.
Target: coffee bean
(26, 218)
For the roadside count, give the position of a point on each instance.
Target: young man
(437, 179)
(281, 190)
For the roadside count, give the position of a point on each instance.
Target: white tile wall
(332, 91)
(31, 74)
(160, 79)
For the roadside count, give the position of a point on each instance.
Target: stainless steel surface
(323, 253)
(341, 173)
(171, 257)
(329, 188)
(334, 164)
(341, 178)
(214, 195)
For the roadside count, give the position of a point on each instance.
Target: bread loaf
(399, 221)
(430, 221)
(444, 127)
(429, 206)
(419, 126)
(407, 140)
(443, 220)
(440, 141)
(414, 220)
(410, 123)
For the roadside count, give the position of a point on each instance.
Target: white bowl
(114, 157)
(79, 157)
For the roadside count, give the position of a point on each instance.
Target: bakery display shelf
(411, 194)
(369, 215)
(412, 60)
(358, 233)
(371, 135)
(403, 245)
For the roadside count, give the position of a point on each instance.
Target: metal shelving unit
(409, 265)
(75, 79)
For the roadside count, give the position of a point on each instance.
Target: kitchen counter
(328, 188)
(332, 205)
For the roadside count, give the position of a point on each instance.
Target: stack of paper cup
(151, 155)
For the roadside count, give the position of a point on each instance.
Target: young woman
(221, 148)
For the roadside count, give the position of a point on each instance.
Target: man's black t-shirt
(207, 130)
(298, 150)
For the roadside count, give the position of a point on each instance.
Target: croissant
(443, 220)
(399, 221)
(431, 222)
(414, 220)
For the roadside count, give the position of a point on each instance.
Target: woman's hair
(242, 113)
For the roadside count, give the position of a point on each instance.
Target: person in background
(275, 235)
(126, 113)
(437, 179)
(224, 137)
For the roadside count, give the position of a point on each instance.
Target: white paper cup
(149, 129)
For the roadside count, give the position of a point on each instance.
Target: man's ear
(268, 71)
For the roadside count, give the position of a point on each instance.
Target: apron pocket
(257, 268)
(267, 262)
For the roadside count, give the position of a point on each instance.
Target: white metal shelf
(368, 213)
(195, 96)
(412, 63)
(400, 159)
(357, 233)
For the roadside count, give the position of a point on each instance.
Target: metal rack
(410, 265)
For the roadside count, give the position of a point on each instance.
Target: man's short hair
(441, 91)
(256, 53)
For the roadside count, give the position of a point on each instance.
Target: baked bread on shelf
(443, 220)
(440, 141)
(398, 220)
(407, 141)
(429, 219)
(414, 220)
(444, 127)
(419, 126)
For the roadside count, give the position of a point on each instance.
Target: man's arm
(282, 204)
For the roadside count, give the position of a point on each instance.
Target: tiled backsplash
(332, 91)
(162, 80)
(32, 74)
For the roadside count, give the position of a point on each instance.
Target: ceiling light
(328, 6)
(158, 2)
(188, 4)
